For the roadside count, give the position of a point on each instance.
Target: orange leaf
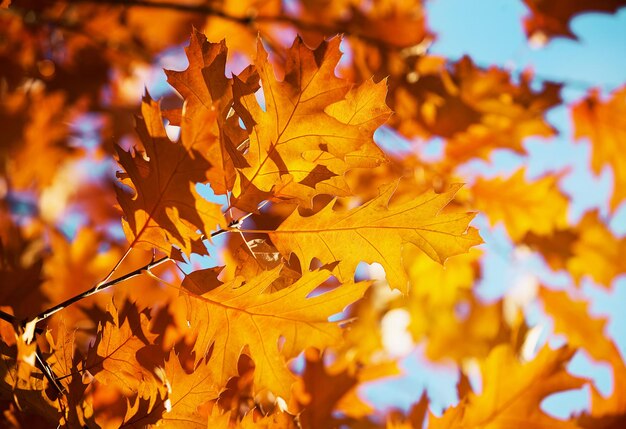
(166, 209)
(552, 18)
(206, 118)
(602, 122)
(232, 316)
(112, 359)
(311, 129)
(188, 392)
(572, 318)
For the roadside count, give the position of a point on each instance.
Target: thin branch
(8, 318)
(48, 372)
(14, 321)
(108, 276)
(249, 20)
(99, 287)
(102, 286)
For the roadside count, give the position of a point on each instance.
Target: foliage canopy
(232, 257)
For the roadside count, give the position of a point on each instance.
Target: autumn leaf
(572, 318)
(512, 392)
(588, 249)
(166, 209)
(311, 128)
(598, 121)
(36, 137)
(28, 393)
(232, 316)
(538, 206)
(187, 392)
(597, 252)
(113, 357)
(327, 394)
(375, 232)
(552, 19)
(568, 315)
(477, 110)
(206, 117)
(321, 391)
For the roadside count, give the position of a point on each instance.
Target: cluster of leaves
(274, 174)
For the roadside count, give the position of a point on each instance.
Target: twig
(102, 286)
(8, 317)
(48, 372)
(99, 287)
(249, 20)
(15, 322)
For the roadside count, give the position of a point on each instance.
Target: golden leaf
(601, 122)
(538, 206)
(512, 392)
(374, 232)
(232, 316)
(310, 130)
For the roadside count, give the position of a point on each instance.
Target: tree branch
(249, 20)
(102, 286)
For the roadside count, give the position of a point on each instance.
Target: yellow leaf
(188, 391)
(597, 252)
(374, 232)
(572, 318)
(537, 206)
(513, 391)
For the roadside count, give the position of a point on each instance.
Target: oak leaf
(35, 137)
(310, 129)
(538, 206)
(477, 110)
(597, 252)
(513, 391)
(550, 19)
(573, 319)
(165, 210)
(232, 316)
(320, 390)
(188, 392)
(587, 249)
(375, 232)
(599, 121)
(206, 117)
(113, 361)
(26, 391)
